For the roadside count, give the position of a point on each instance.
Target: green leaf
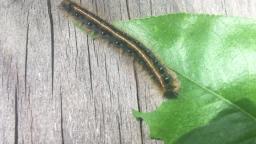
(215, 59)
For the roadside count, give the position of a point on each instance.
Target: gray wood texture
(57, 85)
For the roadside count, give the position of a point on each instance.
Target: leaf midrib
(218, 96)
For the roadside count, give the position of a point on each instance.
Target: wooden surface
(57, 85)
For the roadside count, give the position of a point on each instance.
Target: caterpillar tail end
(170, 94)
(173, 90)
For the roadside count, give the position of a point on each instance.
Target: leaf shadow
(228, 127)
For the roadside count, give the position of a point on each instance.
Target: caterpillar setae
(164, 77)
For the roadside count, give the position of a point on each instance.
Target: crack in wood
(128, 9)
(151, 7)
(52, 41)
(223, 4)
(119, 129)
(31, 127)
(138, 98)
(76, 53)
(89, 63)
(61, 117)
(16, 115)
(107, 78)
(26, 55)
(95, 52)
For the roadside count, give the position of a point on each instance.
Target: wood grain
(60, 86)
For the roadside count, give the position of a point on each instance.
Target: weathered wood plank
(26, 34)
(60, 86)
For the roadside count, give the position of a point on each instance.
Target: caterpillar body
(164, 77)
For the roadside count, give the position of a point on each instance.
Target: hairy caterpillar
(163, 76)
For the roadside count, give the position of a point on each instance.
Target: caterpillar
(164, 77)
